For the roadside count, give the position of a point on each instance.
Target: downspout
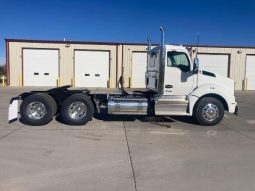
(7, 62)
(117, 67)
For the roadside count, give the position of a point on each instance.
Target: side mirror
(195, 64)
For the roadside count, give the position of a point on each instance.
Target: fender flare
(211, 90)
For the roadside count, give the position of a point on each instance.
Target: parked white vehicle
(174, 86)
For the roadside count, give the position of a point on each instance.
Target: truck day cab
(174, 86)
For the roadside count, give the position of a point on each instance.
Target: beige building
(99, 64)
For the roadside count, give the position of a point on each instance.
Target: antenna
(198, 41)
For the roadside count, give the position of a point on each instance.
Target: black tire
(54, 104)
(200, 108)
(86, 103)
(24, 108)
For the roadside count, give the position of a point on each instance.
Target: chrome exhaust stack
(162, 29)
(149, 44)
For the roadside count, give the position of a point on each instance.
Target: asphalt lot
(128, 153)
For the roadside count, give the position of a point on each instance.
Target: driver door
(179, 78)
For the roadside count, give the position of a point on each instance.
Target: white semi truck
(174, 86)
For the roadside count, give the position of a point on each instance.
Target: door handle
(169, 86)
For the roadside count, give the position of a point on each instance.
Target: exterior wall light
(194, 51)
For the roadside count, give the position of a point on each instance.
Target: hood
(213, 78)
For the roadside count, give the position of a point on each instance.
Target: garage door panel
(139, 63)
(250, 72)
(216, 63)
(91, 68)
(40, 67)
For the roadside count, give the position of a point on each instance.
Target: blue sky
(219, 22)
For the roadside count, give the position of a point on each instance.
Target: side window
(178, 60)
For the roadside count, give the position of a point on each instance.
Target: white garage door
(91, 68)
(40, 67)
(139, 62)
(215, 63)
(250, 72)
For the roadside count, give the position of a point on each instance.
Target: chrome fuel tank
(127, 105)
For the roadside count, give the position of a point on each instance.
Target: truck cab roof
(175, 48)
(178, 48)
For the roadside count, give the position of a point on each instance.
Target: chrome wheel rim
(77, 110)
(36, 110)
(210, 112)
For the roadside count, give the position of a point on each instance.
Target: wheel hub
(77, 110)
(210, 112)
(36, 110)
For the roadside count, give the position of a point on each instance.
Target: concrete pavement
(129, 153)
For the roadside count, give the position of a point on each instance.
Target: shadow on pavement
(165, 121)
(152, 119)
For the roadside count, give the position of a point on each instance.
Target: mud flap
(13, 109)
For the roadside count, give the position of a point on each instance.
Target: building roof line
(73, 42)
(115, 43)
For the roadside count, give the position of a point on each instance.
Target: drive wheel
(209, 111)
(77, 109)
(36, 109)
(54, 104)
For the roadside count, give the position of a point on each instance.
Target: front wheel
(209, 111)
(77, 109)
